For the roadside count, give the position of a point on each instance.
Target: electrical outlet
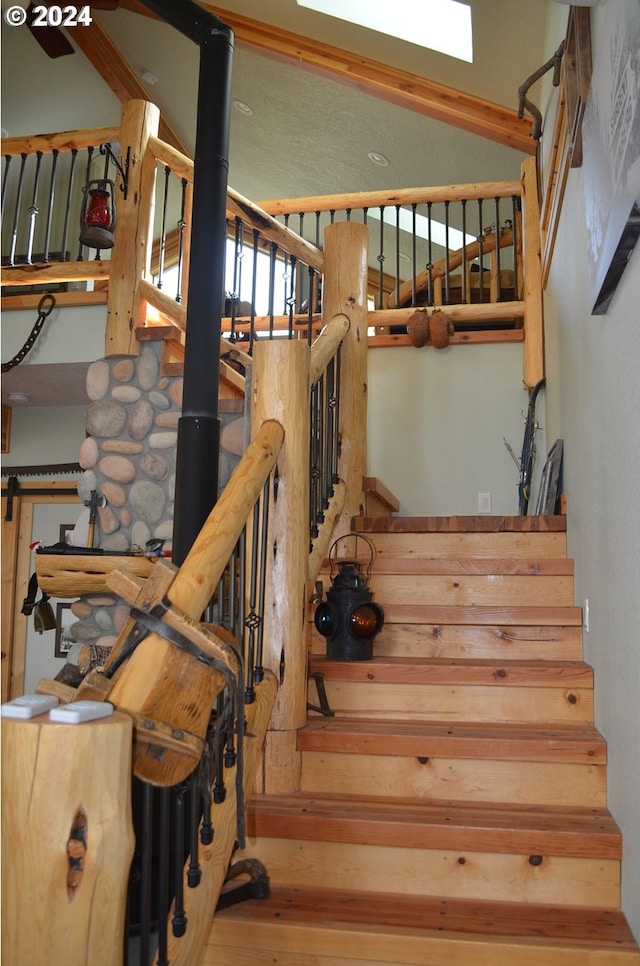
(585, 614)
(484, 503)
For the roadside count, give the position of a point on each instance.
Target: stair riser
(470, 590)
(455, 545)
(458, 703)
(455, 779)
(453, 641)
(452, 874)
(276, 944)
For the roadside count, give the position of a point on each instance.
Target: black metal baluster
(237, 260)
(447, 281)
(320, 386)
(429, 265)
(499, 292)
(348, 213)
(464, 250)
(146, 873)
(65, 229)
(87, 177)
(254, 289)
(16, 214)
(310, 305)
(414, 208)
(33, 209)
(163, 876)
(253, 619)
(163, 230)
(397, 248)
(258, 670)
(291, 300)
(52, 194)
(219, 789)
(181, 229)
(194, 872)
(179, 918)
(515, 207)
(272, 285)
(313, 462)
(335, 476)
(381, 261)
(481, 250)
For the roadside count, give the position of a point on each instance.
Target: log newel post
(67, 840)
(533, 348)
(345, 291)
(280, 390)
(131, 255)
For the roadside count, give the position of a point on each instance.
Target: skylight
(443, 25)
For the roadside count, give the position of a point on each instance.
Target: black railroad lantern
(348, 618)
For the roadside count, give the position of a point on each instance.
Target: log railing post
(280, 388)
(67, 840)
(131, 256)
(345, 292)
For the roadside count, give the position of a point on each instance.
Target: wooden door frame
(16, 559)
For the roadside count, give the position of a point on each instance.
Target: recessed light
(243, 108)
(18, 398)
(378, 159)
(148, 76)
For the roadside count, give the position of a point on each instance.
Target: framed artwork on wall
(611, 134)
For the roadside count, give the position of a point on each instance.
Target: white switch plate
(484, 503)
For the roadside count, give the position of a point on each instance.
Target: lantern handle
(358, 536)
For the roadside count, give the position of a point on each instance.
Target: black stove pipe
(199, 426)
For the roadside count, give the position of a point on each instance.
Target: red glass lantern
(98, 217)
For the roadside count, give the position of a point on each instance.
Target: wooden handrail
(63, 141)
(326, 345)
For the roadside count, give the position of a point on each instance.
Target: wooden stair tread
(370, 736)
(539, 831)
(480, 671)
(544, 615)
(459, 524)
(441, 919)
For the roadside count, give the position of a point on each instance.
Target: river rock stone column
(129, 459)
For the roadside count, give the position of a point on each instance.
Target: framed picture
(611, 136)
(64, 620)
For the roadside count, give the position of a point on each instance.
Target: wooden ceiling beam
(97, 46)
(410, 91)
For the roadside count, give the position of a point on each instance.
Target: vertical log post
(345, 291)
(533, 349)
(131, 256)
(280, 390)
(67, 840)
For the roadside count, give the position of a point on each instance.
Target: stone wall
(129, 459)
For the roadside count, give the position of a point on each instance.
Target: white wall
(593, 402)
(45, 434)
(437, 419)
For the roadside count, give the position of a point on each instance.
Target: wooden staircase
(454, 809)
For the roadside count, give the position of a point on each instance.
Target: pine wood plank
(455, 779)
(550, 566)
(460, 702)
(542, 831)
(414, 871)
(398, 670)
(466, 641)
(453, 545)
(481, 614)
(463, 590)
(331, 928)
(582, 744)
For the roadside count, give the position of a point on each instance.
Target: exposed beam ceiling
(409, 91)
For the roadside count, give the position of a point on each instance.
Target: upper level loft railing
(473, 250)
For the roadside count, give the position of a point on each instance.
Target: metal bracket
(256, 888)
(322, 696)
